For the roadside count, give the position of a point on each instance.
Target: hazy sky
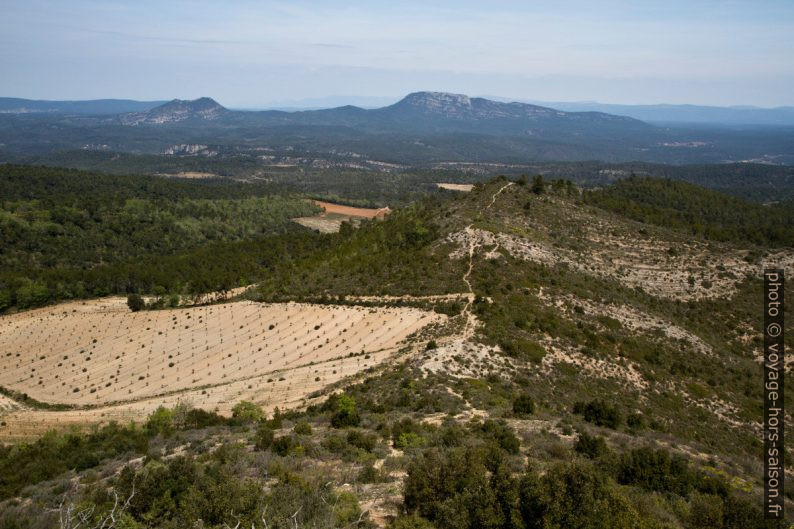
(253, 53)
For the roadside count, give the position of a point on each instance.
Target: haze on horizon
(254, 54)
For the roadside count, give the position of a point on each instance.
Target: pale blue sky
(252, 53)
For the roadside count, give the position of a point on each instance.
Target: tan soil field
(456, 187)
(333, 215)
(191, 174)
(122, 365)
(321, 223)
(350, 211)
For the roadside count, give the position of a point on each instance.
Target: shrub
(284, 445)
(437, 478)
(655, 470)
(635, 421)
(571, 495)
(246, 412)
(599, 413)
(705, 511)
(277, 420)
(363, 440)
(198, 418)
(302, 428)
(345, 413)
(53, 454)
(161, 421)
(403, 426)
(524, 349)
(538, 185)
(467, 488)
(334, 443)
(135, 302)
(592, 446)
(369, 474)
(263, 438)
(524, 405)
(501, 432)
(409, 440)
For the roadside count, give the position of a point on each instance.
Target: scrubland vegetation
(585, 398)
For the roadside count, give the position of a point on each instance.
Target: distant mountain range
(421, 128)
(14, 105)
(425, 112)
(659, 113)
(690, 114)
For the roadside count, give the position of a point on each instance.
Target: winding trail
(471, 320)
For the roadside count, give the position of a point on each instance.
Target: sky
(254, 54)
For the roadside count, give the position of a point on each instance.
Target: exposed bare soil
(465, 188)
(122, 365)
(333, 215)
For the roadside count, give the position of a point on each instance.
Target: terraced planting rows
(114, 364)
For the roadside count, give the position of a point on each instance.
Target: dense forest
(698, 211)
(70, 234)
(342, 175)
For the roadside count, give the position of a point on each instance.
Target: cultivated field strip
(97, 354)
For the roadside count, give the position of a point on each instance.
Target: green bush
(404, 426)
(344, 412)
(599, 413)
(655, 470)
(501, 433)
(302, 428)
(635, 421)
(135, 302)
(247, 412)
(263, 438)
(161, 421)
(284, 445)
(571, 495)
(468, 488)
(361, 439)
(407, 440)
(524, 405)
(592, 446)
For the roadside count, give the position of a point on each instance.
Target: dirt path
(471, 320)
(493, 198)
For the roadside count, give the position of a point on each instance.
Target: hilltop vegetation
(698, 211)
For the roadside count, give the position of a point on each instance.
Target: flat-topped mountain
(204, 108)
(464, 107)
(458, 112)
(441, 112)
